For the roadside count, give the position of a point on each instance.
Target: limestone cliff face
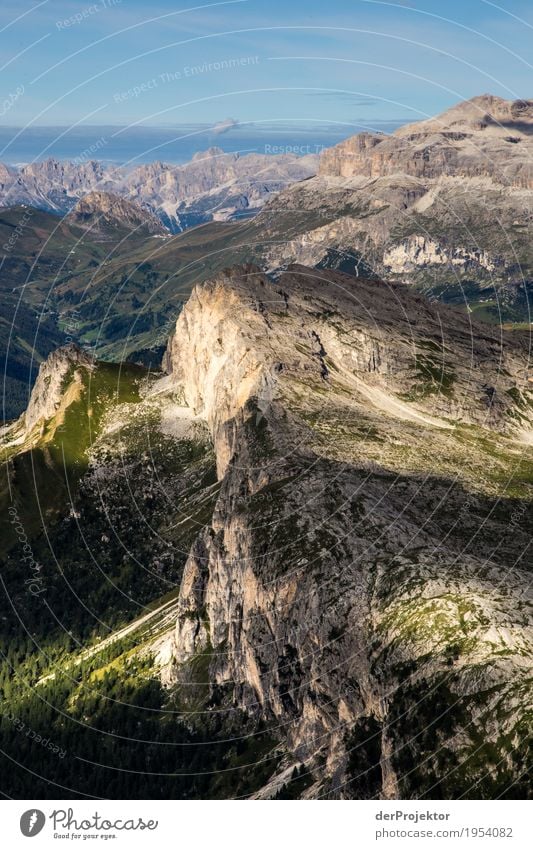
(420, 251)
(404, 259)
(320, 595)
(242, 337)
(216, 353)
(48, 392)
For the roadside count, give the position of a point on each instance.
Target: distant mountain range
(213, 186)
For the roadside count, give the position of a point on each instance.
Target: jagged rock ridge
(342, 591)
(213, 186)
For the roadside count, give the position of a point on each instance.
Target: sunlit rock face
(443, 203)
(483, 137)
(342, 589)
(49, 391)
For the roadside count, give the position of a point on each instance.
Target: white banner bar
(265, 825)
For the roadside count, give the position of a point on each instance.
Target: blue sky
(126, 62)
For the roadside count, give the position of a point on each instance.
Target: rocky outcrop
(48, 392)
(332, 594)
(418, 251)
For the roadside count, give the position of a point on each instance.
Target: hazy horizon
(173, 144)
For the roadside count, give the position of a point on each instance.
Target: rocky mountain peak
(209, 153)
(479, 114)
(335, 588)
(486, 136)
(58, 171)
(213, 185)
(100, 210)
(241, 335)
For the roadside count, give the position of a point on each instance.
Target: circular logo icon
(32, 822)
